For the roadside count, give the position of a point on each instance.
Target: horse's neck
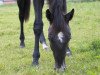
(53, 3)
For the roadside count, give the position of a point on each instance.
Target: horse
(59, 33)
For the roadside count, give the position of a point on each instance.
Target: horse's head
(67, 16)
(59, 36)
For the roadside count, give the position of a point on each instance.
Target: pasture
(85, 43)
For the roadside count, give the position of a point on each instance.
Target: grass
(85, 43)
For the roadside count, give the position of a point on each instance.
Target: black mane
(54, 3)
(58, 9)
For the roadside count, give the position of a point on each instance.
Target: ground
(85, 43)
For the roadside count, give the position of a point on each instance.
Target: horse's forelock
(54, 3)
(57, 8)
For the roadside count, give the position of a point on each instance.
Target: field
(85, 43)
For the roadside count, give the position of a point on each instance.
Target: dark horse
(59, 30)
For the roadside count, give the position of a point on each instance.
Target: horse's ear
(49, 15)
(69, 15)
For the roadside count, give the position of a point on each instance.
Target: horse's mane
(57, 8)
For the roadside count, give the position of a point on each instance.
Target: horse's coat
(59, 32)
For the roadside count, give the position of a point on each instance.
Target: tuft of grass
(95, 45)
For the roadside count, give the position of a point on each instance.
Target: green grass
(85, 43)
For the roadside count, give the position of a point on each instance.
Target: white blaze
(60, 36)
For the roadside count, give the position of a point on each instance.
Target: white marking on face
(60, 36)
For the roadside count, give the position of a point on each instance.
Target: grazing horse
(59, 31)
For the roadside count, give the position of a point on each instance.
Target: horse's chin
(61, 69)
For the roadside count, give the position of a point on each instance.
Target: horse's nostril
(60, 69)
